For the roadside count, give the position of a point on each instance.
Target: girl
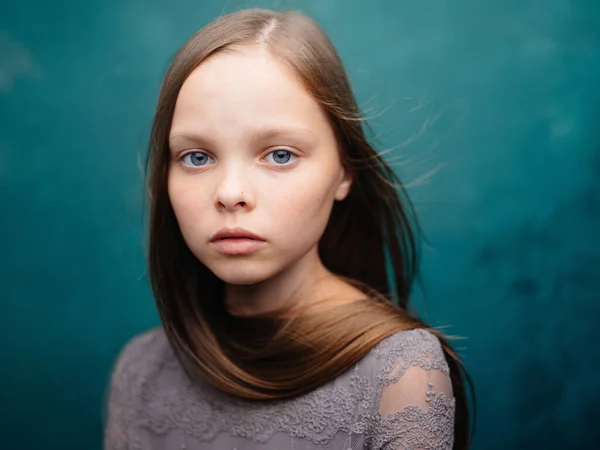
(281, 257)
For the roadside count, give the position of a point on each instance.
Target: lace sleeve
(416, 404)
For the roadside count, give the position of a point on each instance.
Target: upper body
(398, 396)
(278, 239)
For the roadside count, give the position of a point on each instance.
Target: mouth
(235, 233)
(236, 241)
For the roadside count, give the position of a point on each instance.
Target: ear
(344, 185)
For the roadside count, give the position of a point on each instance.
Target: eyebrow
(258, 135)
(269, 133)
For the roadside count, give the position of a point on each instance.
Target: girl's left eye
(281, 157)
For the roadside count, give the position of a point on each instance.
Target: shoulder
(141, 349)
(414, 402)
(405, 349)
(140, 357)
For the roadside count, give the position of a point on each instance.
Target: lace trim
(416, 428)
(318, 416)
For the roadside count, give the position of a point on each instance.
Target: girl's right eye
(196, 159)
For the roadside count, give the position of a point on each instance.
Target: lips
(236, 241)
(235, 233)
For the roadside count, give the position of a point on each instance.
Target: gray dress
(399, 396)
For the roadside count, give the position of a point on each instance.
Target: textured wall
(492, 109)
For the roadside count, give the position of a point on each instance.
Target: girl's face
(254, 167)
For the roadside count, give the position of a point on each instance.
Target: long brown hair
(371, 239)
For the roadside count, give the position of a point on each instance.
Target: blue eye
(196, 159)
(280, 157)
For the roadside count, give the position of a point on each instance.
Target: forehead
(245, 86)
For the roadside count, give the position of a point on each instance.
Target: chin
(242, 275)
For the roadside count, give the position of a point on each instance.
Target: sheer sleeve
(416, 406)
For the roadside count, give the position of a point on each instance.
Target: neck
(295, 284)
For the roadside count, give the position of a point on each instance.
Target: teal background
(492, 109)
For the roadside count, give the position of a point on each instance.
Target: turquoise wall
(494, 105)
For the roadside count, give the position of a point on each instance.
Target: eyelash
(185, 155)
(293, 156)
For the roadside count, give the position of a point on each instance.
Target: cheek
(187, 202)
(300, 209)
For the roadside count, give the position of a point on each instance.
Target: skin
(233, 112)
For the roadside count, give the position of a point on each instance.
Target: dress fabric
(399, 396)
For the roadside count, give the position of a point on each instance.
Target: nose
(234, 193)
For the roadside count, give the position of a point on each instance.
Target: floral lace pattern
(151, 393)
(416, 428)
